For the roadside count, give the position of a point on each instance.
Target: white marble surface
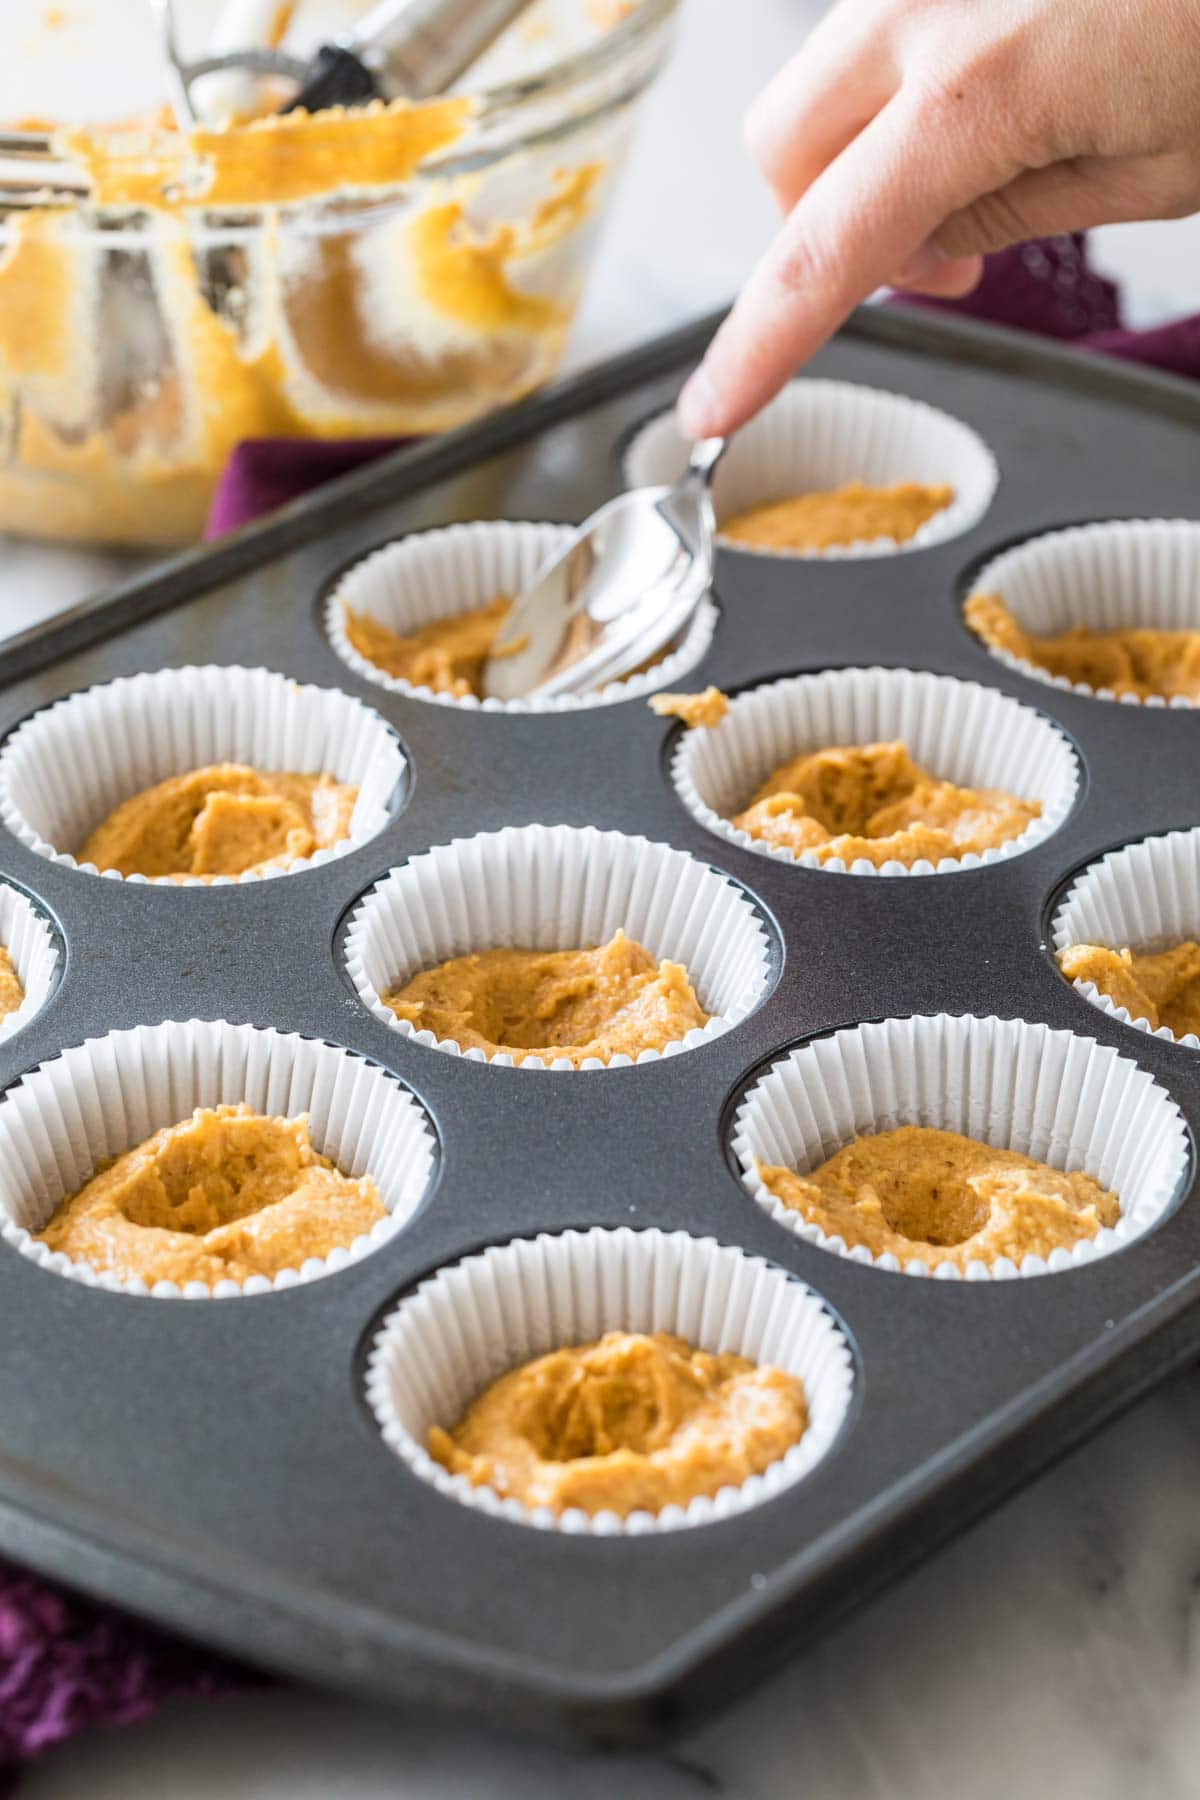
(1052, 1650)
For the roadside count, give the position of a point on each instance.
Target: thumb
(942, 277)
(1070, 196)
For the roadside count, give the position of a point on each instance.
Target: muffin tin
(216, 1465)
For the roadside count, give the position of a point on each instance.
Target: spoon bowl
(617, 596)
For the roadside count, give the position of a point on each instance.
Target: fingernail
(697, 404)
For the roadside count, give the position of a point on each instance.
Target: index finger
(866, 216)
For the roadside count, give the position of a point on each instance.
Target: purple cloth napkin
(1049, 287)
(66, 1664)
(263, 473)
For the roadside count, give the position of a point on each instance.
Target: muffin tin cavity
(1144, 897)
(555, 887)
(432, 575)
(957, 730)
(107, 1095)
(25, 933)
(472, 1322)
(820, 435)
(1064, 1100)
(1118, 575)
(65, 769)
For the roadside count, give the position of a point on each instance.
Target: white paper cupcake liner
(957, 730)
(1143, 897)
(27, 937)
(432, 574)
(68, 767)
(103, 1097)
(473, 1322)
(1066, 1100)
(555, 887)
(820, 435)
(1119, 575)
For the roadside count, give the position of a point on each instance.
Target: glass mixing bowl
(370, 274)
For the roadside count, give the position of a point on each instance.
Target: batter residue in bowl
(309, 275)
(1140, 663)
(1160, 986)
(854, 514)
(917, 1193)
(631, 1423)
(225, 1195)
(226, 819)
(873, 803)
(573, 1004)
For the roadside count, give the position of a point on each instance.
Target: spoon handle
(706, 454)
(421, 47)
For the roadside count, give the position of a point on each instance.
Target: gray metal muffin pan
(212, 1464)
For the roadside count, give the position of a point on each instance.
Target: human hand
(909, 136)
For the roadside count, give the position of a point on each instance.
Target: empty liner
(472, 1322)
(1144, 897)
(27, 937)
(957, 730)
(555, 887)
(107, 1095)
(820, 435)
(1066, 1100)
(1115, 576)
(452, 569)
(69, 766)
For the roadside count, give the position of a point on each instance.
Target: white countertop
(1053, 1649)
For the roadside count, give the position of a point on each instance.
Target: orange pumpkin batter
(11, 992)
(223, 820)
(1144, 664)
(631, 1423)
(447, 655)
(854, 514)
(1161, 986)
(873, 803)
(917, 1193)
(696, 711)
(225, 1195)
(572, 1004)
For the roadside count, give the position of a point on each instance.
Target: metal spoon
(621, 591)
(410, 49)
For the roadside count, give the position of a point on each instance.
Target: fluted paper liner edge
(1064, 1099)
(1112, 575)
(25, 933)
(559, 887)
(959, 731)
(69, 765)
(473, 1321)
(104, 1096)
(1145, 896)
